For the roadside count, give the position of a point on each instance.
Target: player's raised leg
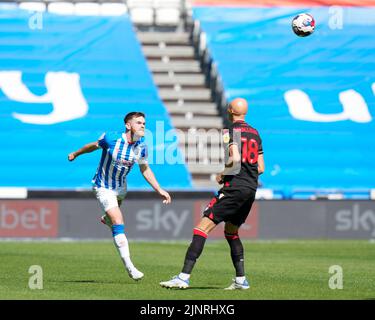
(121, 242)
(200, 232)
(237, 255)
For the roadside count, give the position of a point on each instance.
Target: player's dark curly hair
(132, 115)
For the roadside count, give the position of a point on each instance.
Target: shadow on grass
(205, 288)
(193, 288)
(95, 282)
(81, 281)
(135, 283)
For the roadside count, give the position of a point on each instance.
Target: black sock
(237, 254)
(194, 251)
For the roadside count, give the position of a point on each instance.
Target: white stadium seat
(167, 16)
(167, 12)
(142, 15)
(33, 6)
(87, 9)
(167, 4)
(140, 4)
(63, 8)
(113, 9)
(141, 11)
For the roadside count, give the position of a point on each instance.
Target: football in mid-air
(303, 24)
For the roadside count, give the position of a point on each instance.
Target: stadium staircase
(178, 73)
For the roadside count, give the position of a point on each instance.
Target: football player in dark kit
(233, 202)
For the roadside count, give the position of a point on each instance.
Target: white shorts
(108, 198)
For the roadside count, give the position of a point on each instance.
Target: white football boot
(238, 286)
(135, 274)
(175, 282)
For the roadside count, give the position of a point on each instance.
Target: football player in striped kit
(119, 153)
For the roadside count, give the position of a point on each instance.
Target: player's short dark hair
(132, 115)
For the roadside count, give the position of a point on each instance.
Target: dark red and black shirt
(250, 146)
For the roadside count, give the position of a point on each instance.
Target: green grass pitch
(276, 270)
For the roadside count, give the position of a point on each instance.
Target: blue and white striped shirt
(118, 157)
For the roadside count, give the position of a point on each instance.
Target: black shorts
(232, 204)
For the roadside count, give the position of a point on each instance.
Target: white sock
(184, 276)
(123, 248)
(240, 279)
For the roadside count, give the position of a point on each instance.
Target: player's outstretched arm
(150, 178)
(90, 147)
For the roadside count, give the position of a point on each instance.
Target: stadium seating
(65, 79)
(258, 57)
